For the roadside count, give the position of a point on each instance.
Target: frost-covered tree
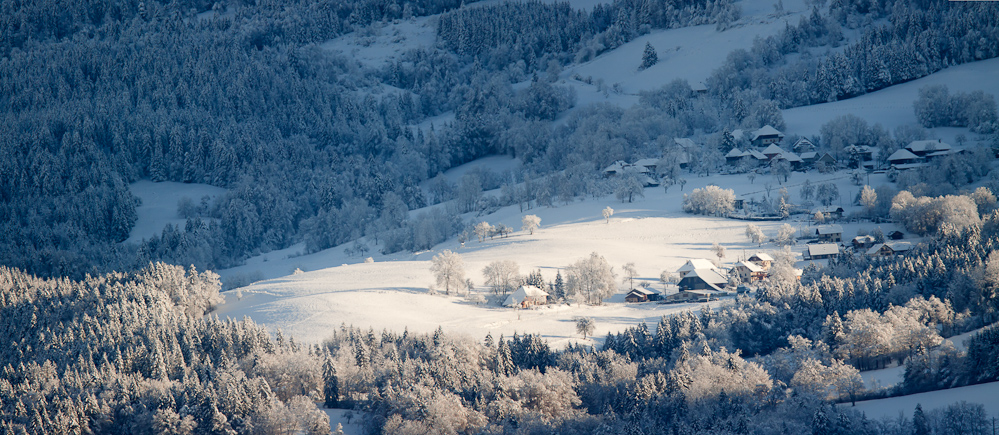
(629, 273)
(590, 279)
(711, 200)
(530, 223)
(755, 234)
(868, 199)
(502, 275)
(719, 251)
(785, 235)
(607, 213)
(585, 326)
(483, 230)
(449, 270)
(826, 193)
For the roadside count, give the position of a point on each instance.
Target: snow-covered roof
(684, 142)
(809, 155)
(863, 239)
(707, 275)
(894, 246)
(767, 130)
(927, 146)
(758, 155)
(643, 291)
(751, 266)
(762, 256)
(617, 166)
(737, 134)
(735, 153)
(791, 157)
(522, 293)
(823, 249)
(829, 229)
(695, 263)
(802, 144)
(902, 154)
(943, 153)
(773, 149)
(647, 162)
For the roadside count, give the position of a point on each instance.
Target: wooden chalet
(829, 233)
(896, 235)
(749, 271)
(888, 249)
(766, 136)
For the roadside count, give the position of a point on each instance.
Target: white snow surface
(392, 292)
(380, 43)
(159, 205)
(690, 53)
(892, 407)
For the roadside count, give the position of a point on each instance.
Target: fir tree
(649, 56)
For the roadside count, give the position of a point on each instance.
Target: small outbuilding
(642, 295)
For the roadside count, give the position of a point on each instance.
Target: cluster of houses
(765, 150)
(829, 237)
(702, 280)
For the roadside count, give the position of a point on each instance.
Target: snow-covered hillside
(892, 407)
(892, 106)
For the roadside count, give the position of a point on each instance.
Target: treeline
(132, 353)
(917, 40)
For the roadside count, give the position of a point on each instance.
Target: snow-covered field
(159, 205)
(984, 394)
(392, 292)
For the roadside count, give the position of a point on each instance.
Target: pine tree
(649, 57)
(331, 389)
(920, 424)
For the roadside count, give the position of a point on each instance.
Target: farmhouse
(888, 249)
(766, 136)
(820, 251)
(773, 151)
(748, 272)
(642, 295)
(763, 260)
(703, 279)
(616, 168)
(734, 157)
(526, 296)
(896, 235)
(829, 233)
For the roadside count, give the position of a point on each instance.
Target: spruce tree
(649, 57)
